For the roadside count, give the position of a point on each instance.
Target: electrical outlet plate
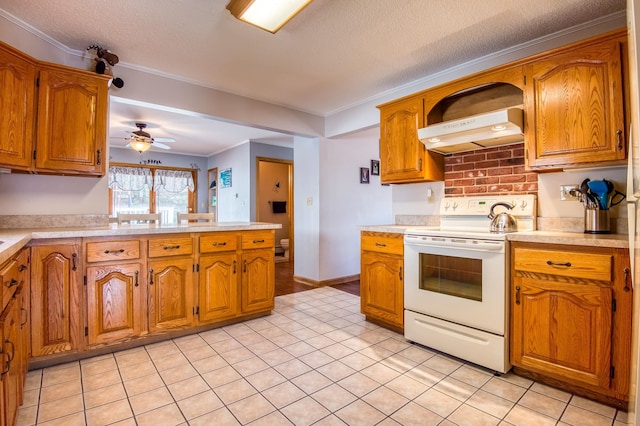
(565, 192)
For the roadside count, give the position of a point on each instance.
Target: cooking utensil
(613, 201)
(502, 222)
(601, 190)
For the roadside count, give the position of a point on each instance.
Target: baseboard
(324, 283)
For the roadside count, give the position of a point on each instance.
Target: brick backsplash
(497, 170)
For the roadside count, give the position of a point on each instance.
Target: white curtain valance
(173, 180)
(129, 178)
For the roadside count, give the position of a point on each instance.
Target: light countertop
(548, 237)
(14, 239)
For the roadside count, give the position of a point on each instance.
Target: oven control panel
(522, 205)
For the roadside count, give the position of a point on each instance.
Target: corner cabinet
(574, 103)
(55, 118)
(382, 279)
(571, 318)
(403, 157)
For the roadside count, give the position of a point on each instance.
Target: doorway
(274, 203)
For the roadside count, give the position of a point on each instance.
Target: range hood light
(494, 128)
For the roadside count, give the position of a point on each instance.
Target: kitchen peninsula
(95, 289)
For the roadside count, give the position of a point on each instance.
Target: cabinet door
(382, 287)
(17, 112)
(574, 107)
(403, 157)
(170, 293)
(72, 121)
(115, 308)
(562, 328)
(55, 299)
(258, 280)
(218, 283)
(11, 362)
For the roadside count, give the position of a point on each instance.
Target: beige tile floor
(313, 361)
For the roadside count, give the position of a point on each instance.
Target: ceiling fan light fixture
(269, 15)
(140, 145)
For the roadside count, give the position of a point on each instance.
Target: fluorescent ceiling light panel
(270, 15)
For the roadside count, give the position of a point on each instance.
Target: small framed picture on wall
(364, 175)
(375, 168)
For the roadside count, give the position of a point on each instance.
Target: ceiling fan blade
(160, 145)
(165, 140)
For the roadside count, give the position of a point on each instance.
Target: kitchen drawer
(565, 263)
(259, 239)
(112, 250)
(170, 246)
(10, 278)
(382, 242)
(218, 241)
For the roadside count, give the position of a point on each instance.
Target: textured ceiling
(332, 55)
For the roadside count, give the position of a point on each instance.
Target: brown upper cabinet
(573, 97)
(402, 155)
(53, 118)
(574, 105)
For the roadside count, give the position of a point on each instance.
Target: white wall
(234, 203)
(306, 202)
(347, 204)
(23, 194)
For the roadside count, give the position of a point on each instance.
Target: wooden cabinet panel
(563, 329)
(382, 278)
(170, 293)
(258, 239)
(114, 303)
(381, 287)
(574, 106)
(72, 121)
(9, 279)
(218, 241)
(17, 108)
(11, 361)
(572, 327)
(565, 263)
(218, 285)
(383, 243)
(170, 246)
(55, 299)
(101, 251)
(258, 280)
(403, 157)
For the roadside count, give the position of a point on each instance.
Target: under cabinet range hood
(494, 128)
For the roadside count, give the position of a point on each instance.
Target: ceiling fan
(141, 141)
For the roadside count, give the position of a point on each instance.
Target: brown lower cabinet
(382, 278)
(571, 318)
(14, 335)
(99, 292)
(56, 297)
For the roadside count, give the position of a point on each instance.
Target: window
(140, 189)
